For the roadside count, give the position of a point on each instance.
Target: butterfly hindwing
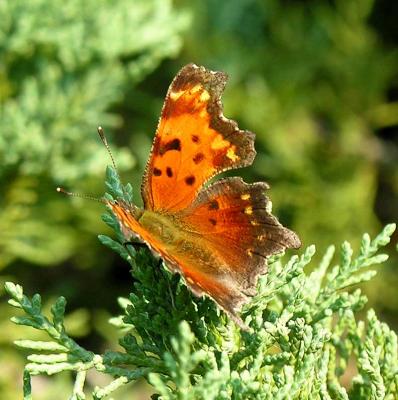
(193, 142)
(235, 221)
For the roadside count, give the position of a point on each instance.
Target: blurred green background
(317, 81)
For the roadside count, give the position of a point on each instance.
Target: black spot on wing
(174, 144)
(190, 180)
(213, 205)
(198, 158)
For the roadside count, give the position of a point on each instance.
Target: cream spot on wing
(195, 88)
(231, 154)
(176, 95)
(245, 196)
(219, 143)
(249, 210)
(190, 280)
(205, 96)
(249, 252)
(268, 207)
(254, 223)
(261, 237)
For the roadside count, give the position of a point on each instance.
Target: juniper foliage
(63, 68)
(306, 331)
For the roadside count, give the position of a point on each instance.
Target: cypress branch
(305, 332)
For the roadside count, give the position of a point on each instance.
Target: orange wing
(193, 142)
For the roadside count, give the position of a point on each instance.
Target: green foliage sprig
(305, 332)
(64, 68)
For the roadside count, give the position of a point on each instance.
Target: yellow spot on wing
(254, 223)
(249, 210)
(245, 196)
(205, 96)
(219, 143)
(195, 88)
(176, 95)
(231, 154)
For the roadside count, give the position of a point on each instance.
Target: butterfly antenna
(82, 196)
(108, 149)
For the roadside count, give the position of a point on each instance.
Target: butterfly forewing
(193, 142)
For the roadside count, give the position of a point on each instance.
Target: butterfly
(217, 236)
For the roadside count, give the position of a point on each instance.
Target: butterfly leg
(136, 245)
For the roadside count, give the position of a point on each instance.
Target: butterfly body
(166, 236)
(162, 228)
(218, 237)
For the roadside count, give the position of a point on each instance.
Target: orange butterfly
(217, 237)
